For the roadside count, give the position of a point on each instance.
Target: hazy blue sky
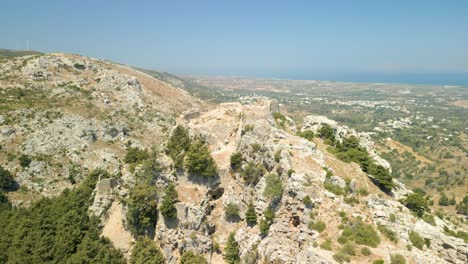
(296, 39)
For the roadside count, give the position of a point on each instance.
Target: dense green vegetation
(349, 150)
(462, 206)
(168, 208)
(178, 144)
(250, 215)
(231, 211)
(236, 160)
(56, 230)
(146, 251)
(307, 134)
(142, 209)
(135, 155)
(267, 220)
(416, 203)
(397, 259)
(231, 251)
(188, 257)
(318, 226)
(416, 240)
(274, 188)
(360, 233)
(252, 173)
(198, 160)
(6, 179)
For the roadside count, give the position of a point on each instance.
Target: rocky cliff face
(70, 114)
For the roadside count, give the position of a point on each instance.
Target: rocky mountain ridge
(68, 115)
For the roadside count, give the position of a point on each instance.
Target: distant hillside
(6, 53)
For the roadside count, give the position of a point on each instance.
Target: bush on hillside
(360, 233)
(169, 200)
(416, 239)
(236, 160)
(177, 145)
(273, 189)
(252, 173)
(416, 203)
(146, 251)
(231, 212)
(135, 155)
(188, 257)
(198, 160)
(250, 215)
(6, 179)
(142, 209)
(231, 251)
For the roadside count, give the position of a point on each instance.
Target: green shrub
(4, 202)
(327, 245)
(177, 145)
(443, 200)
(6, 179)
(416, 239)
(188, 257)
(392, 218)
(280, 119)
(327, 132)
(348, 249)
(142, 209)
(462, 206)
(309, 135)
(388, 233)
(274, 188)
(334, 188)
(416, 203)
(397, 259)
(267, 220)
(252, 173)
(427, 241)
(378, 261)
(250, 215)
(248, 128)
(231, 211)
(135, 155)
(231, 251)
(198, 160)
(79, 66)
(168, 208)
(360, 233)
(146, 251)
(366, 251)
(428, 218)
(236, 160)
(340, 257)
(307, 201)
(382, 176)
(24, 161)
(319, 226)
(277, 156)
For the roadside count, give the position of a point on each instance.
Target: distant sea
(427, 79)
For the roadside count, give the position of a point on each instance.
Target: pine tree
(146, 251)
(198, 160)
(267, 220)
(231, 254)
(250, 215)
(168, 209)
(178, 144)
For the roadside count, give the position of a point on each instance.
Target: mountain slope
(69, 114)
